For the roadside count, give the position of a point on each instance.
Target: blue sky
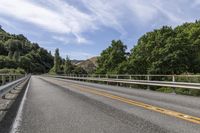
(83, 28)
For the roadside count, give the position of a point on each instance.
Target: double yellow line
(92, 90)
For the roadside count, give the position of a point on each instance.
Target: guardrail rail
(173, 81)
(9, 92)
(6, 78)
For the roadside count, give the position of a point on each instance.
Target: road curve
(63, 106)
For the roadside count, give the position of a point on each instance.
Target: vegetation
(162, 51)
(17, 52)
(65, 66)
(12, 71)
(111, 58)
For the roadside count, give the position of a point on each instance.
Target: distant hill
(75, 62)
(89, 65)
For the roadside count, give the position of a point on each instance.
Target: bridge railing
(173, 78)
(6, 78)
(174, 81)
(5, 88)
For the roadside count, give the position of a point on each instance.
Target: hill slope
(16, 51)
(89, 65)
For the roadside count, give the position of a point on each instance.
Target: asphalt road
(63, 106)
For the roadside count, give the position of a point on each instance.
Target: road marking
(182, 116)
(18, 119)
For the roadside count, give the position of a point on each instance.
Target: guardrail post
(107, 78)
(117, 77)
(148, 79)
(3, 79)
(10, 78)
(173, 89)
(173, 78)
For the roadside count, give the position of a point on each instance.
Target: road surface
(63, 106)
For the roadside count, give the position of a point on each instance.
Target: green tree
(111, 57)
(79, 70)
(16, 56)
(25, 63)
(57, 61)
(16, 51)
(167, 51)
(3, 50)
(68, 67)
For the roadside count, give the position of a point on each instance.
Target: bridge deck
(60, 106)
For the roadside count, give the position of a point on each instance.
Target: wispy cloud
(69, 39)
(61, 18)
(69, 23)
(106, 12)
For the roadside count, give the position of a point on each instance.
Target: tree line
(163, 51)
(65, 66)
(17, 52)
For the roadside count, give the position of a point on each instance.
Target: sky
(83, 28)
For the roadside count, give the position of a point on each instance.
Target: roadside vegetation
(17, 52)
(163, 51)
(65, 66)
(12, 71)
(166, 51)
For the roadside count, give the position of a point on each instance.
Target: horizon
(81, 29)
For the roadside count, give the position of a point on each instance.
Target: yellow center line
(92, 90)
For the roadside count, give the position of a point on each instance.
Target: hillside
(89, 65)
(16, 51)
(75, 62)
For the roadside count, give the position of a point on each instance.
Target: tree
(25, 63)
(111, 57)
(3, 50)
(79, 70)
(167, 51)
(16, 51)
(57, 61)
(16, 56)
(68, 67)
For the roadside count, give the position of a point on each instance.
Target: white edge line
(18, 118)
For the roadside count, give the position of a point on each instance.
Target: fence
(6, 78)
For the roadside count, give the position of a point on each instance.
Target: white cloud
(69, 40)
(118, 13)
(70, 23)
(62, 18)
(141, 9)
(106, 12)
(61, 39)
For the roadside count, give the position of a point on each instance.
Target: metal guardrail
(7, 87)
(173, 78)
(148, 80)
(6, 78)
